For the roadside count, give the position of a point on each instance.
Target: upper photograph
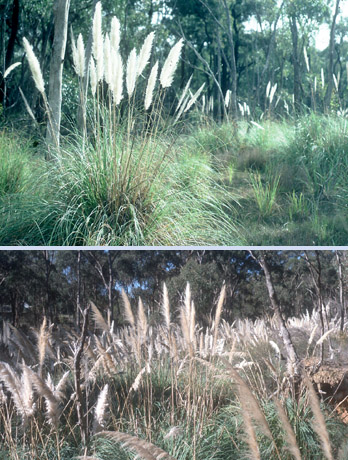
(173, 123)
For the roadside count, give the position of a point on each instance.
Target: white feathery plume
(203, 103)
(131, 77)
(93, 75)
(101, 405)
(227, 97)
(127, 309)
(268, 88)
(272, 93)
(117, 79)
(241, 108)
(80, 69)
(98, 48)
(322, 77)
(145, 53)
(9, 69)
(324, 337)
(107, 59)
(194, 98)
(257, 125)
(315, 84)
(306, 58)
(115, 34)
(141, 320)
(170, 64)
(151, 86)
(58, 391)
(97, 30)
(335, 81)
(34, 67)
(165, 306)
(183, 105)
(184, 93)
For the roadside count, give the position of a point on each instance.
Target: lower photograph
(173, 354)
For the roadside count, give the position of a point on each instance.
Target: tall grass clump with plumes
(116, 178)
(163, 386)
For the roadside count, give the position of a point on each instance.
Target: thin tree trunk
(110, 288)
(80, 400)
(78, 294)
(296, 63)
(292, 357)
(316, 277)
(61, 13)
(220, 100)
(271, 43)
(341, 288)
(328, 94)
(233, 61)
(10, 46)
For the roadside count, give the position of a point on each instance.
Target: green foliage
(265, 193)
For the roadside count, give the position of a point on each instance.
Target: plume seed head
(131, 77)
(151, 86)
(165, 306)
(9, 69)
(80, 70)
(115, 34)
(107, 59)
(34, 67)
(101, 405)
(127, 309)
(93, 75)
(194, 98)
(97, 31)
(182, 97)
(145, 53)
(170, 64)
(117, 79)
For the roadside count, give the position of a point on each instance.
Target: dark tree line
(60, 284)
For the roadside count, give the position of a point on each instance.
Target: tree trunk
(329, 89)
(296, 63)
(78, 293)
(61, 12)
(233, 61)
(341, 287)
(292, 358)
(10, 46)
(271, 43)
(110, 288)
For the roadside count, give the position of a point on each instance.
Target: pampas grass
(319, 422)
(170, 64)
(101, 406)
(115, 34)
(145, 53)
(151, 86)
(34, 67)
(131, 76)
(9, 69)
(144, 449)
(127, 309)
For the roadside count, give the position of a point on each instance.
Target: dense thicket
(55, 283)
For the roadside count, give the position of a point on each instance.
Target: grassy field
(163, 387)
(277, 182)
